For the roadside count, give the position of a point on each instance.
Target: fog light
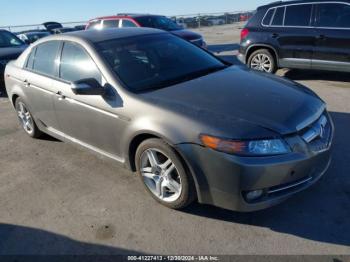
(253, 195)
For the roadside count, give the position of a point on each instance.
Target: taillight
(244, 33)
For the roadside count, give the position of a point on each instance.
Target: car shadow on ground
(320, 213)
(223, 48)
(297, 74)
(20, 240)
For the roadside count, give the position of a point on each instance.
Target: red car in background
(142, 20)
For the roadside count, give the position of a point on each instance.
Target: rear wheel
(262, 60)
(26, 119)
(163, 174)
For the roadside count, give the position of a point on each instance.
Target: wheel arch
(141, 137)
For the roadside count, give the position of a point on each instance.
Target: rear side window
(30, 60)
(268, 16)
(278, 18)
(128, 23)
(298, 15)
(334, 15)
(94, 24)
(110, 23)
(45, 56)
(76, 64)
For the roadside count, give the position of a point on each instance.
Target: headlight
(246, 148)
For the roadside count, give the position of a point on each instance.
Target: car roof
(96, 36)
(278, 3)
(125, 15)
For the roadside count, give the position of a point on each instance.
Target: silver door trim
(83, 144)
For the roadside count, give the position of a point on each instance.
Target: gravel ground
(58, 199)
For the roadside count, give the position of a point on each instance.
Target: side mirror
(88, 86)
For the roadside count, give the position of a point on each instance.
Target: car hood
(236, 94)
(10, 53)
(186, 34)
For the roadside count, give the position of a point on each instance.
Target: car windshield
(8, 39)
(159, 22)
(156, 61)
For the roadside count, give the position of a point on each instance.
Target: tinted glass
(278, 18)
(268, 17)
(128, 23)
(298, 15)
(334, 15)
(156, 61)
(30, 60)
(160, 22)
(8, 39)
(94, 24)
(110, 23)
(45, 56)
(76, 64)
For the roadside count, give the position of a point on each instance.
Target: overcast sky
(22, 12)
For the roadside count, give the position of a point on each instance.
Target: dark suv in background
(10, 48)
(146, 20)
(298, 34)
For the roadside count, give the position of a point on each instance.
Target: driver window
(76, 64)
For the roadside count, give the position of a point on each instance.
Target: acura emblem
(318, 130)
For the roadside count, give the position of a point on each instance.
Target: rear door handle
(321, 37)
(60, 95)
(26, 83)
(275, 35)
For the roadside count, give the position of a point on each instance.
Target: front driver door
(89, 120)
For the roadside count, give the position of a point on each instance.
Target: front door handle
(275, 35)
(60, 95)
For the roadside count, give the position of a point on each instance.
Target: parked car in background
(57, 28)
(145, 20)
(10, 48)
(312, 34)
(30, 37)
(189, 124)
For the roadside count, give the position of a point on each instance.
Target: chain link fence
(186, 21)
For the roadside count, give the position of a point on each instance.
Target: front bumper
(222, 179)
(241, 58)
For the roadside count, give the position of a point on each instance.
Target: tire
(26, 119)
(262, 60)
(157, 175)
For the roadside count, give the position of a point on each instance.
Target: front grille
(318, 136)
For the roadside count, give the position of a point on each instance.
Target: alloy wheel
(160, 175)
(261, 62)
(25, 118)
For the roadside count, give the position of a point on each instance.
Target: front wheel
(262, 60)
(164, 175)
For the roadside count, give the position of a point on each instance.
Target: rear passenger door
(291, 29)
(40, 70)
(332, 51)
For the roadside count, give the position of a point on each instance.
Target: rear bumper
(222, 180)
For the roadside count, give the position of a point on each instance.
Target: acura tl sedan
(191, 126)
